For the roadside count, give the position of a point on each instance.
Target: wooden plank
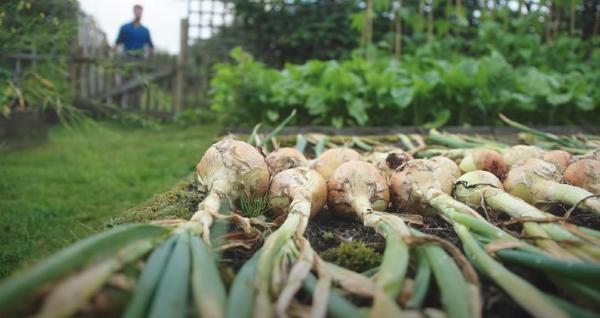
(135, 84)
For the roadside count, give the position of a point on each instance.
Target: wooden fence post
(180, 66)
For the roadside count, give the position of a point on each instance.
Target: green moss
(178, 203)
(356, 256)
(328, 236)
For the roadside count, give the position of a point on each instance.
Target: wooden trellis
(204, 20)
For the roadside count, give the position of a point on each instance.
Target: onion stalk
(539, 182)
(359, 188)
(299, 193)
(422, 184)
(479, 188)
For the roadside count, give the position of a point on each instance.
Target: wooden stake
(180, 66)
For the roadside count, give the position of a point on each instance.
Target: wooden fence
(105, 82)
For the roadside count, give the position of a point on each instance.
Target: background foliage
(36, 27)
(453, 64)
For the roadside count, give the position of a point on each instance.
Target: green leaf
(559, 99)
(272, 115)
(357, 110)
(585, 103)
(441, 118)
(402, 96)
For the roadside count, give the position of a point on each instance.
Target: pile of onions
(539, 182)
(298, 193)
(329, 160)
(359, 188)
(421, 184)
(285, 158)
(584, 173)
(484, 159)
(481, 188)
(229, 170)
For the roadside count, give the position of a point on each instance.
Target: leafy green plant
(413, 90)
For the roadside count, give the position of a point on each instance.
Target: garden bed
(351, 245)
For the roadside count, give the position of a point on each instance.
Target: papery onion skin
(356, 185)
(410, 184)
(331, 159)
(560, 158)
(285, 158)
(300, 183)
(446, 164)
(233, 168)
(517, 153)
(474, 179)
(584, 173)
(522, 176)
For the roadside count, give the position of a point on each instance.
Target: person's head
(137, 12)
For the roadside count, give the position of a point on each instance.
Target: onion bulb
(299, 192)
(560, 158)
(285, 158)
(297, 184)
(517, 153)
(411, 184)
(539, 182)
(231, 170)
(357, 186)
(446, 164)
(328, 161)
(484, 159)
(584, 173)
(389, 161)
(481, 188)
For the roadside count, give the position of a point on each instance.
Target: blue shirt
(134, 37)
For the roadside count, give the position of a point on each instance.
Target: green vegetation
(429, 63)
(411, 91)
(42, 28)
(356, 256)
(69, 188)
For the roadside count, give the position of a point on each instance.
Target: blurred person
(134, 37)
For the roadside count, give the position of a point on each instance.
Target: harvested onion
(517, 153)
(299, 192)
(229, 170)
(584, 173)
(560, 158)
(328, 161)
(484, 159)
(285, 158)
(539, 182)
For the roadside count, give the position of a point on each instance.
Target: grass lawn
(70, 187)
